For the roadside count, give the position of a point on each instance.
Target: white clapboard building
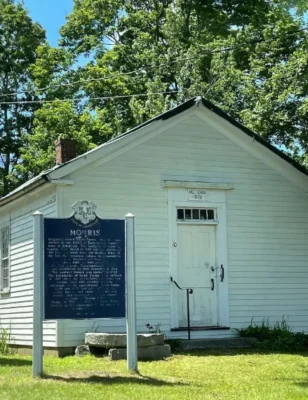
(218, 210)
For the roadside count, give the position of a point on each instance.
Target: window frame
(196, 221)
(7, 288)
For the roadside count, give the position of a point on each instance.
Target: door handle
(213, 285)
(222, 273)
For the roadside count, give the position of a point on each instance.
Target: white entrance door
(196, 261)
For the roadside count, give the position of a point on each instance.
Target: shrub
(5, 337)
(278, 337)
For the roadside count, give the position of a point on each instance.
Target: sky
(50, 14)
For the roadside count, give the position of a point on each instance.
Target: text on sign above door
(196, 194)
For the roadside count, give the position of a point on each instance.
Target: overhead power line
(256, 41)
(103, 78)
(122, 96)
(142, 70)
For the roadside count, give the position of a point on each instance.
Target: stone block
(118, 340)
(151, 353)
(150, 339)
(82, 350)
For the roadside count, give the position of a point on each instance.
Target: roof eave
(194, 101)
(254, 135)
(30, 188)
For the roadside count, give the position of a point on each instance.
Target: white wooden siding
(267, 219)
(16, 307)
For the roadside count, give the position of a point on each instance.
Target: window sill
(5, 291)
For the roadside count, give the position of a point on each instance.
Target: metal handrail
(188, 292)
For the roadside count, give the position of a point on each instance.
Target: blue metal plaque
(84, 267)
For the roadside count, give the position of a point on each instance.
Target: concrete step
(225, 343)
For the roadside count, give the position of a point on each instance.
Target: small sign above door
(196, 194)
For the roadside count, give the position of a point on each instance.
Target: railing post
(37, 349)
(188, 312)
(131, 320)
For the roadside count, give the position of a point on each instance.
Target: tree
(151, 38)
(63, 114)
(60, 120)
(19, 38)
(247, 57)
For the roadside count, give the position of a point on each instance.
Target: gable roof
(44, 177)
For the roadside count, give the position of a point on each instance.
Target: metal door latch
(222, 273)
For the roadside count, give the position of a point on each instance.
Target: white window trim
(7, 289)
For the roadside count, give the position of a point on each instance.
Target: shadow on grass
(235, 352)
(113, 380)
(14, 362)
(303, 385)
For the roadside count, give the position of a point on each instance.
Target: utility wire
(255, 41)
(140, 70)
(90, 98)
(116, 74)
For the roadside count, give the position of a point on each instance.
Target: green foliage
(278, 337)
(5, 338)
(61, 120)
(299, 6)
(19, 39)
(178, 45)
(248, 57)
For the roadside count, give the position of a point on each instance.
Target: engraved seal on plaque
(84, 211)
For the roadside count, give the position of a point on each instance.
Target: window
(196, 214)
(4, 260)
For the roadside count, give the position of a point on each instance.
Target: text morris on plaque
(84, 269)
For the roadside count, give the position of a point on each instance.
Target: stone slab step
(144, 353)
(225, 343)
(116, 340)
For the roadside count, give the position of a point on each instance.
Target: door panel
(195, 257)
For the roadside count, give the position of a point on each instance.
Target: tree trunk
(7, 155)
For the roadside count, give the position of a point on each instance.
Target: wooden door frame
(177, 197)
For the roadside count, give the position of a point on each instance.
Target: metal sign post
(37, 357)
(131, 320)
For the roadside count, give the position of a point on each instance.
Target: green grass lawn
(203, 375)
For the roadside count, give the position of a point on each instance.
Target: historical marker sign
(84, 266)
